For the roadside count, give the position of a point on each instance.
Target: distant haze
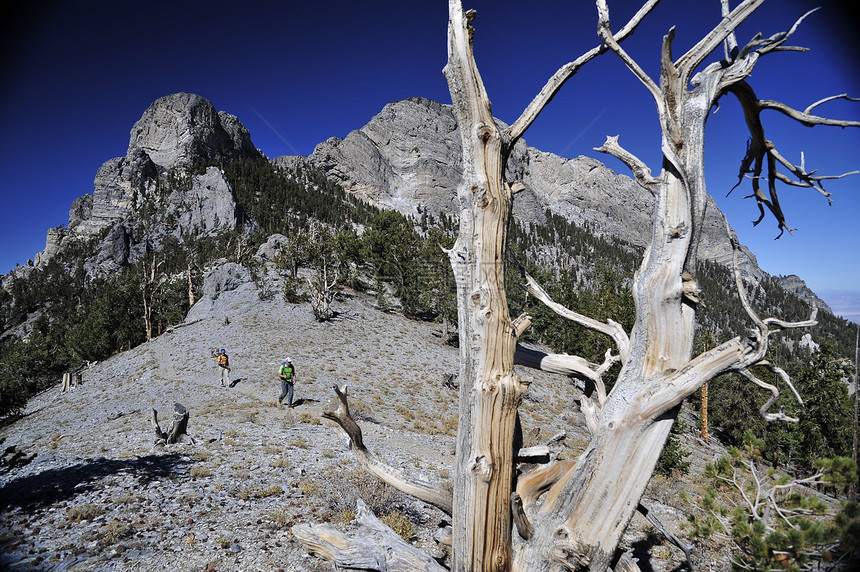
(845, 303)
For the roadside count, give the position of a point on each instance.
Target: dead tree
(178, 427)
(570, 514)
(152, 280)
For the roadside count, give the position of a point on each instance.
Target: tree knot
(483, 469)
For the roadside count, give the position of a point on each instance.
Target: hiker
(287, 373)
(224, 364)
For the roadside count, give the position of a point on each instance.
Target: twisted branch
(567, 71)
(338, 411)
(610, 328)
(762, 155)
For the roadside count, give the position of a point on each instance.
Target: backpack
(287, 370)
(222, 360)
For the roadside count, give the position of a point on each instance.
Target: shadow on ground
(642, 550)
(55, 485)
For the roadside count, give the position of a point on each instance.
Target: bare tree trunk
(147, 315)
(704, 432)
(190, 286)
(584, 513)
(570, 515)
(490, 390)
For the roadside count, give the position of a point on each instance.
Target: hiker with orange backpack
(224, 365)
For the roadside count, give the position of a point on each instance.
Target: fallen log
(375, 547)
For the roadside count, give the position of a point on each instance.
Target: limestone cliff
(154, 183)
(409, 155)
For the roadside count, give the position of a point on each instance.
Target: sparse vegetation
(200, 472)
(86, 511)
(257, 493)
(116, 530)
(400, 524)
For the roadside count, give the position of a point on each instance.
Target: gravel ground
(99, 496)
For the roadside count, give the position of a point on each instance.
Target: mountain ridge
(405, 158)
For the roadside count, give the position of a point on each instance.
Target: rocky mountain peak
(409, 156)
(183, 129)
(176, 136)
(794, 284)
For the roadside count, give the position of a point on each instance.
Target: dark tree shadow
(642, 553)
(55, 485)
(302, 401)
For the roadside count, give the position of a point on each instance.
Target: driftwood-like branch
(758, 348)
(610, 328)
(731, 41)
(338, 411)
(764, 409)
(696, 55)
(568, 70)
(680, 384)
(762, 159)
(561, 364)
(777, 41)
(375, 547)
(521, 521)
(640, 170)
(533, 484)
(805, 117)
(572, 366)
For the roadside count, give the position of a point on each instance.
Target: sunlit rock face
(409, 156)
(169, 183)
(183, 130)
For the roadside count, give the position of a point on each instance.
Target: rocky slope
(98, 496)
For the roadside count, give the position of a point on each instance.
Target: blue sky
(74, 77)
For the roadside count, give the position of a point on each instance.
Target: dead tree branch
(375, 547)
(338, 411)
(610, 328)
(762, 159)
(567, 71)
(640, 170)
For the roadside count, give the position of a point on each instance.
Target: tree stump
(178, 427)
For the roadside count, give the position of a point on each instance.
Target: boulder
(270, 249)
(226, 277)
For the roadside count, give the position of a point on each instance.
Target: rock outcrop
(183, 129)
(795, 285)
(409, 155)
(152, 185)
